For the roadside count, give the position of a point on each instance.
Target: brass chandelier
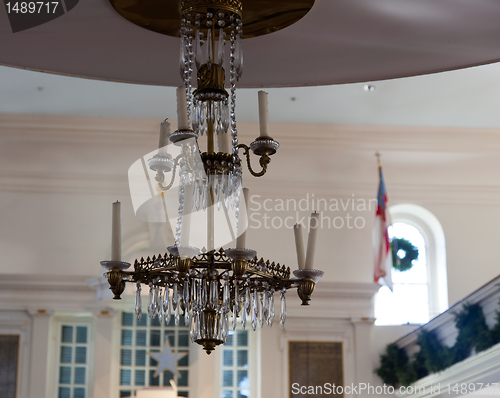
(210, 287)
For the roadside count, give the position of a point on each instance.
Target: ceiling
(336, 42)
(463, 98)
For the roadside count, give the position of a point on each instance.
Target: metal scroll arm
(264, 147)
(160, 176)
(264, 161)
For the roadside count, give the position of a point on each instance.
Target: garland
(411, 253)
(473, 333)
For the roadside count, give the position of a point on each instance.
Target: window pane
(227, 394)
(184, 361)
(227, 358)
(126, 337)
(183, 338)
(140, 338)
(155, 338)
(66, 354)
(81, 355)
(79, 375)
(64, 392)
(65, 375)
(81, 334)
(183, 394)
(242, 379)
(227, 378)
(125, 377)
(79, 392)
(125, 394)
(126, 358)
(153, 381)
(140, 377)
(140, 357)
(143, 321)
(167, 376)
(182, 381)
(243, 394)
(127, 319)
(67, 334)
(155, 321)
(242, 338)
(152, 361)
(242, 358)
(230, 339)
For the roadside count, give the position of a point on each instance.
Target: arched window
(420, 293)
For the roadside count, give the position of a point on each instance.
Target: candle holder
(307, 279)
(181, 135)
(161, 163)
(182, 257)
(264, 147)
(115, 276)
(240, 259)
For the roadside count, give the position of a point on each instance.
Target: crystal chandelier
(211, 288)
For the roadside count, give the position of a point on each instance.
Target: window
(9, 351)
(421, 292)
(235, 370)
(137, 368)
(73, 361)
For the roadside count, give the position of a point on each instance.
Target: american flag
(381, 242)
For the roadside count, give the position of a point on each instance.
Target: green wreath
(411, 253)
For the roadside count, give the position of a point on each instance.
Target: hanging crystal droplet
(175, 297)
(186, 316)
(164, 303)
(248, 300)
(138, 302)
(243, 319)
(168, 311)
(255, 311)
(151, 301)
(283, 309)
(177, 315)
(209, 49)
(238, 61)
(185, 294)
(261, 309)
(265, 306)
(220, 52)
(182, 58)
(235, 315)
(226, 296)
(214, 293)
(197, 48)
(271, 309)
(160, 306)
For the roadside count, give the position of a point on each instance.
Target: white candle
(224, 137)
(164, 133)
(311, 242)
(263, 113)
(182, 118)
(299, 244)
(242, 224)
(116, 239)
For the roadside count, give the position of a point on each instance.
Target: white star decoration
(167, 360)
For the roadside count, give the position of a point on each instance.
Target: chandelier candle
(182, 118)
(299, 244)
(263, 113)
(116, 240)
(242, 232)
(164, 133)
(311, 242)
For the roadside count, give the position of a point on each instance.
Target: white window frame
(431, 230)
(79, 319)
(254, 358)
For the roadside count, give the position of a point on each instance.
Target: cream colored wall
(59, 176)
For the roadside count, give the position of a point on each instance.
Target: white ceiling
(468, 97)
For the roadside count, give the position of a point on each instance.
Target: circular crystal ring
(264, 146)
(115, 265)
(240, 254)
(313, 274)
(183, 251)
(163, 163)
(181, 135)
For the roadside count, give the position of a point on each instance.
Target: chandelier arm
(264, 161)
(160, 177)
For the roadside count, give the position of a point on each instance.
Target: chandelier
(212, 288)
